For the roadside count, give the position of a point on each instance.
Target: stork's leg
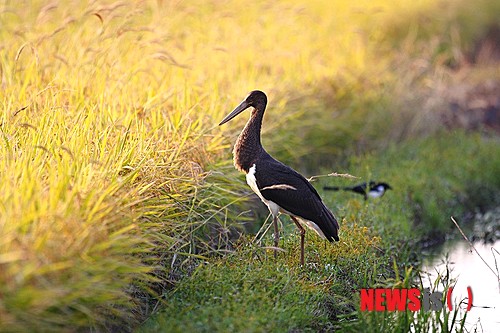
(276, 235)
(302, 237)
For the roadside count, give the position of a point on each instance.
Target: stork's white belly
(273, 207)
(252, 182)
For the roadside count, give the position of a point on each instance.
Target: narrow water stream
(470, 270)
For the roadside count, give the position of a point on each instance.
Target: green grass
(249, 291)
(433, 179)
(115, 180)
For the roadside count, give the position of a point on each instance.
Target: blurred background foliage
(115, 179)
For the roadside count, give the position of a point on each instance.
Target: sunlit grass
(110, 158)
(250, 290)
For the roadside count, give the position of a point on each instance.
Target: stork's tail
(331, 226)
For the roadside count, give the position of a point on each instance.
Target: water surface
(470, 271)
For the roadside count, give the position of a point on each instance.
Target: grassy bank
(248, 291)
(111, 175)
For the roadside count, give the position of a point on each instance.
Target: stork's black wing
(292, 192)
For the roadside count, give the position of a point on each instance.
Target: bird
(281, 189)
(372, 189)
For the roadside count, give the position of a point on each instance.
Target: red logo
(380, 299)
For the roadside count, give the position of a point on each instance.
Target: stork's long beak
(239, 109)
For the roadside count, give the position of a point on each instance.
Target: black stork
(280, 187)
(372, 189)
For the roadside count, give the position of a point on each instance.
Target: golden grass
(107, 129)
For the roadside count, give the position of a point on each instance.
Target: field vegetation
(118, 197)
(380, 246)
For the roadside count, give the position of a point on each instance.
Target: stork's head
(256, 99)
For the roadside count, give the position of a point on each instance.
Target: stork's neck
(248, 147)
